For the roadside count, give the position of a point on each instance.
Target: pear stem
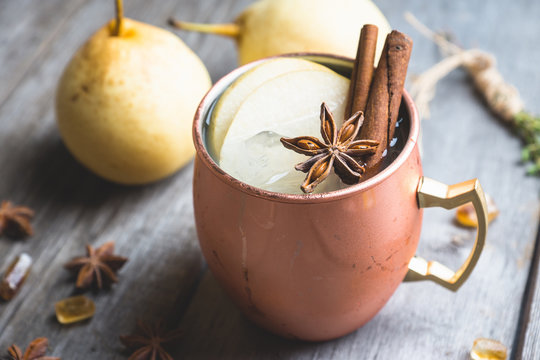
(229, 29)
(119, 17)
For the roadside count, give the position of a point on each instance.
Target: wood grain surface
(153, 225)
(528, 340)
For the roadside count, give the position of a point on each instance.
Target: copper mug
(319, 266)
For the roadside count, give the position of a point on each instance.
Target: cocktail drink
(305, 258)
(280, 98)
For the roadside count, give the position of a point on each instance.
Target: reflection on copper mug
(318, 266)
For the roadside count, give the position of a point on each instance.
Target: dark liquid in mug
(397, 144)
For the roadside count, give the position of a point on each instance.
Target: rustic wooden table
(153, 225)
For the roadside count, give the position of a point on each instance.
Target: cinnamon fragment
(385, 96)
(15, 276)
(362, 73)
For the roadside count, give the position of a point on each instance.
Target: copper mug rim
(217, 89)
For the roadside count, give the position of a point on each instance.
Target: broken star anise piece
(338, 150)
(15, 220)
(36, 351)
(148, 341)
(99, 265)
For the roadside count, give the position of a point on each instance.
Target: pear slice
(289, 106)
(234, 96)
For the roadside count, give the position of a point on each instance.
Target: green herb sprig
(527, 127)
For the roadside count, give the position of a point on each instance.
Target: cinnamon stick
(362, 71)
(385, 96)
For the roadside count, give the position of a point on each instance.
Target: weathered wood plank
(528, 344)
(461, 141)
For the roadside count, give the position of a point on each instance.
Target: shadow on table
(55, 176)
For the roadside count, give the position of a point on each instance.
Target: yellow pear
(126, 101)
(272, 27)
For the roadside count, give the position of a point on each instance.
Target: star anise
(148, 341)
(99, 265)
(35, 351)
(338, 150)
(15, 220)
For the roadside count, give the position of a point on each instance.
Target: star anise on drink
(15, 220)
(338, 150)
(99, 265)
(148, 341)
(35, 351)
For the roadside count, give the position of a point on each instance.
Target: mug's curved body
(313, 267)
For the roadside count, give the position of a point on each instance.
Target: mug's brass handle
(432, 193)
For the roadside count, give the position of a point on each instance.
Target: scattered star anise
(15, 220)
(35, 351)
(148, 341)
(99, 264)
(338, 150)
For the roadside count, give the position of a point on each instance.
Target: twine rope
(501, 97)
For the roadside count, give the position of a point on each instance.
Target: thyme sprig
(527, 127)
